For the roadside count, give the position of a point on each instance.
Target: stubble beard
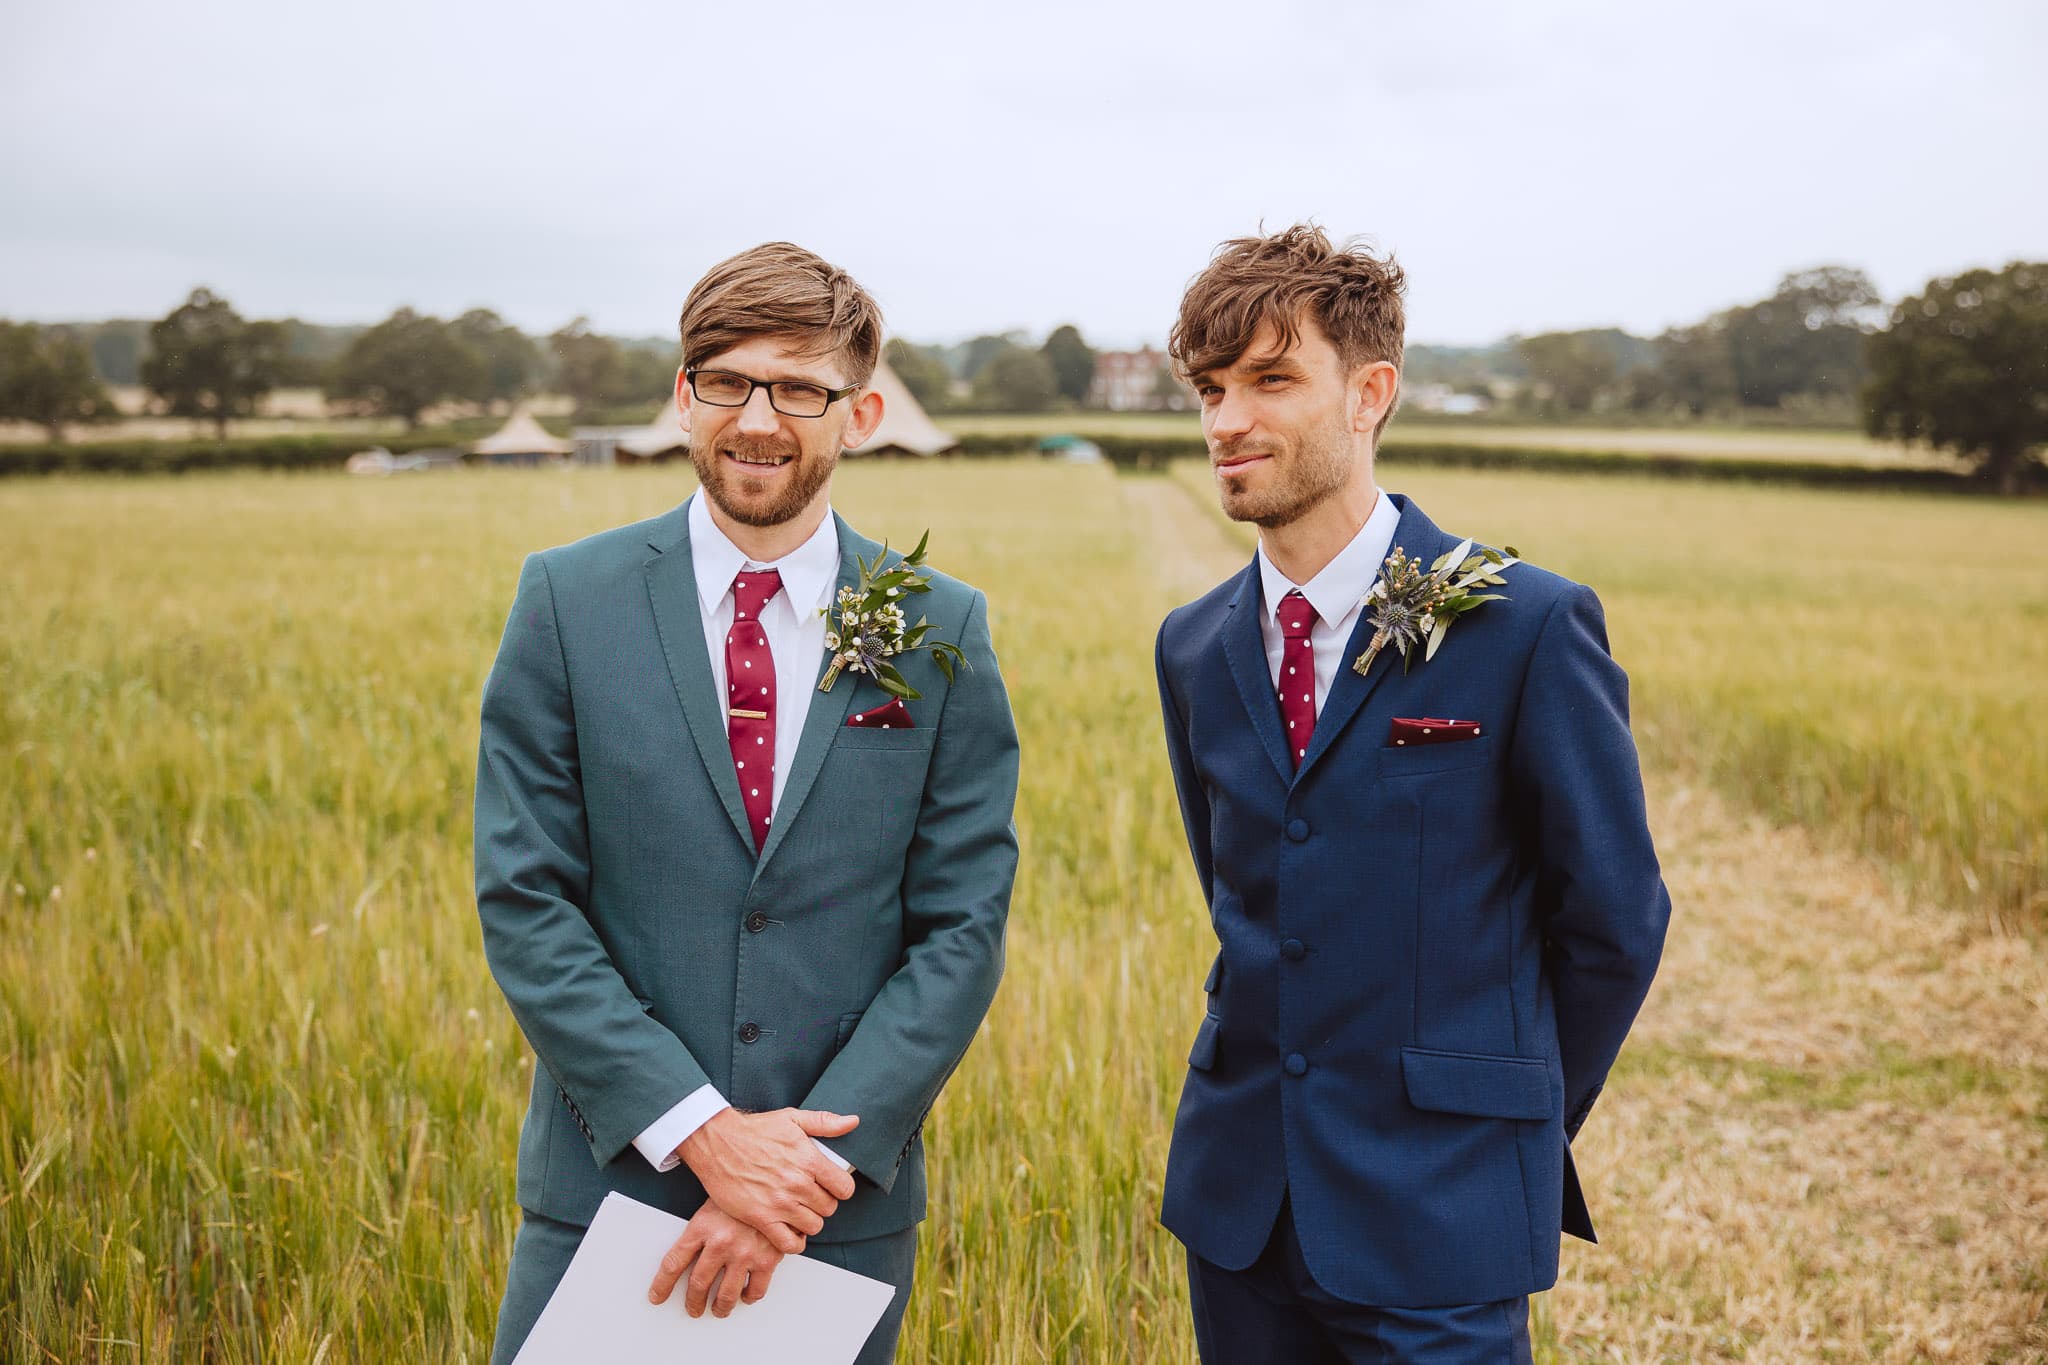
(806, 475)
(1318, 468)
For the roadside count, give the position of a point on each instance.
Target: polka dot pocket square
(894, 716)
(1407, 732)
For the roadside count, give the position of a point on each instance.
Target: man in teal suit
(749, 927)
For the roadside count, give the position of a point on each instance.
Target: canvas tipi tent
(662, 438)
(520, 441)
(905, 429)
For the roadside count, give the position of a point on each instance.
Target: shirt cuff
(837, 1160)
(658, 1144)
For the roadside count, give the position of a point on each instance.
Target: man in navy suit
(1433, 884)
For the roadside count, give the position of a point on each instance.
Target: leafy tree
(510, 360)
(1693, 371)
(1964, 366)
(406, 364)
(49, 379)
(1806, 338)
(1016, 380)
(1072, 361)
(973, 356)
(588, 367)
(644, 376)
(1570, 369)
(207, 362)
(922, 371)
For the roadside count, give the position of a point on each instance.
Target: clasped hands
(771, 1189)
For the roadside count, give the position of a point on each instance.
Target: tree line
(998, 372)
(1962, 365)
(205, 361)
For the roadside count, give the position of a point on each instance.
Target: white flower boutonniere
(870, 628)
(1408, 607)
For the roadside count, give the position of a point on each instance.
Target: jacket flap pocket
(1482, 1086)
(1215, 976)
(1202, 1056)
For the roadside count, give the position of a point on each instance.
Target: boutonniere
(870, 628)
(1408, 607)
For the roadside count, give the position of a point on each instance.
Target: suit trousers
(1273, 1310)
(541, 1255)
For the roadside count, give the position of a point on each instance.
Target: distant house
(1137, 381)
(521, 441)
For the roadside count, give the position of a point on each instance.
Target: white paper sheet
(815, 1314)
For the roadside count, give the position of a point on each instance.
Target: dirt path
(1828, 1137)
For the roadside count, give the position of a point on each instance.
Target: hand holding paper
(818, 1315)
(716, 1249)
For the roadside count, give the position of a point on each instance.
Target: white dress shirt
(1337, 594)
(794, 622)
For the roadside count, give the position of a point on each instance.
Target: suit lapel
(1419, 536)
(672, 589)
(825, 713)
(1245, 648)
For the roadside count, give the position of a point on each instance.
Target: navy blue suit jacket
(1430, 954)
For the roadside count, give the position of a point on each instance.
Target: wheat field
(259, 1097)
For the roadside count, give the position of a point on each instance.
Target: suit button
(1296, 1064)
(749, 1031)
(1297, 830)
(756, 922)
(1292, 949)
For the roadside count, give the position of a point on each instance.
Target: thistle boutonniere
(870, 630)
(1408, 607)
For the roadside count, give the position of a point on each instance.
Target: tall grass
(258, 1095)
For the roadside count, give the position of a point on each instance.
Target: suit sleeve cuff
(658, 1144)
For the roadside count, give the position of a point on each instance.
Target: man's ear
(862, 421)
(683, 397)
(1373, 387)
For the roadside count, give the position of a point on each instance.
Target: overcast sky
(1533, 166)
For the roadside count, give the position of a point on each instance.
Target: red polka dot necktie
(1297, 674)
(750, 696)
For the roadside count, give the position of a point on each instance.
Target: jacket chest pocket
(1415, 760)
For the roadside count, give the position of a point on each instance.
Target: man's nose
(758, 416)
(1228, 418)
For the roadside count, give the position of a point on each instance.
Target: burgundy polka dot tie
(1297, 674)
(750, 696)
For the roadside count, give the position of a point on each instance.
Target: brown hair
(1351, 294)
(779, 289)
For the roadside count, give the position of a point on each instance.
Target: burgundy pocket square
(894, 716)
(1406, 732)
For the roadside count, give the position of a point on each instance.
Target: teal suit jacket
(645, 950)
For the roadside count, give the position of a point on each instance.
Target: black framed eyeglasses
(790, 397)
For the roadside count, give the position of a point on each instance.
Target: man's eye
(1274, 378)
(1207, 391)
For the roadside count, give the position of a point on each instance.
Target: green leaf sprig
(870, 629)
(1410, 608)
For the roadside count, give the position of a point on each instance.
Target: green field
(259, 1097)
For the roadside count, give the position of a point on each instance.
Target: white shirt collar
(1342, 584)
(809, 572)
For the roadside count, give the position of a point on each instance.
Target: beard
(728, 491)
(1318, 466)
